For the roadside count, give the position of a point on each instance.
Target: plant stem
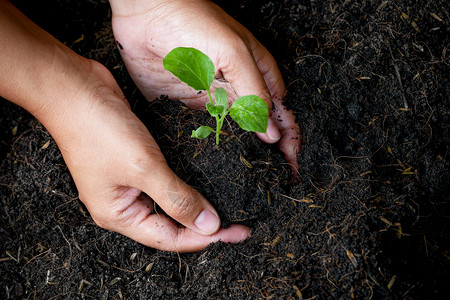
(219, 122)
(209, 96)
(219, 119)
(218, 127)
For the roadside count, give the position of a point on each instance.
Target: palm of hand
(143, 56)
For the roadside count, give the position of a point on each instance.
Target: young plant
(196, 69)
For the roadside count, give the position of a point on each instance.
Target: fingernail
(207, 222)
(272, 131)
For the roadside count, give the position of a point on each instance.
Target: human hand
(116, 163)
(148, 30)
(111, 156)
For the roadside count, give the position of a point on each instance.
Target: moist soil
(369, 216)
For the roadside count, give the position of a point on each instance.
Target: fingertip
(207, 222)
(238, 234)
(290, 145)
(234, 234)
(272, 134)
(190, 241)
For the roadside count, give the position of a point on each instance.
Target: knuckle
(267, 97)
(145, 158)
(238, 47)
(183, 205)
(112, 220)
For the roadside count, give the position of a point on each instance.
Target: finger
(270, 71)
(240, 69)
(284, 119)
(161, 232)
(179, 200)
(290, 142)
(272, 134)
(272, 77)
(135, 217)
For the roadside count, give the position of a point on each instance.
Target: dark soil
(369, 217)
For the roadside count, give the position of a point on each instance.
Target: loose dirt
(368, 218)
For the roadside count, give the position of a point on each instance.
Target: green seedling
(196, 69)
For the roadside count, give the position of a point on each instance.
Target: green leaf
(202, 132)
(215, 110)
(221, 97)
(191, 66)
(251, 113)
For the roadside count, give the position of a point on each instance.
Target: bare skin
(148, 30)
(116, 164)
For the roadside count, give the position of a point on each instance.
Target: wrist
(60, 81)
(37, 72)
(87, 87)
(132, 7)
(44, 76)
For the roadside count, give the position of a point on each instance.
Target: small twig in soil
(36, 256)
(405, 104)
(70, 247)
(304, 200)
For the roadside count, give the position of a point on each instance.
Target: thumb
(182, 202)
(246, 78)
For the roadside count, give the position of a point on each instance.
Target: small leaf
(191, 66)
(221, 97)
(215, 110)
(251, 113)
(202, 132)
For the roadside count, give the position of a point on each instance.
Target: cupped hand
(117, 166)
(119, 171)
(146, 31)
